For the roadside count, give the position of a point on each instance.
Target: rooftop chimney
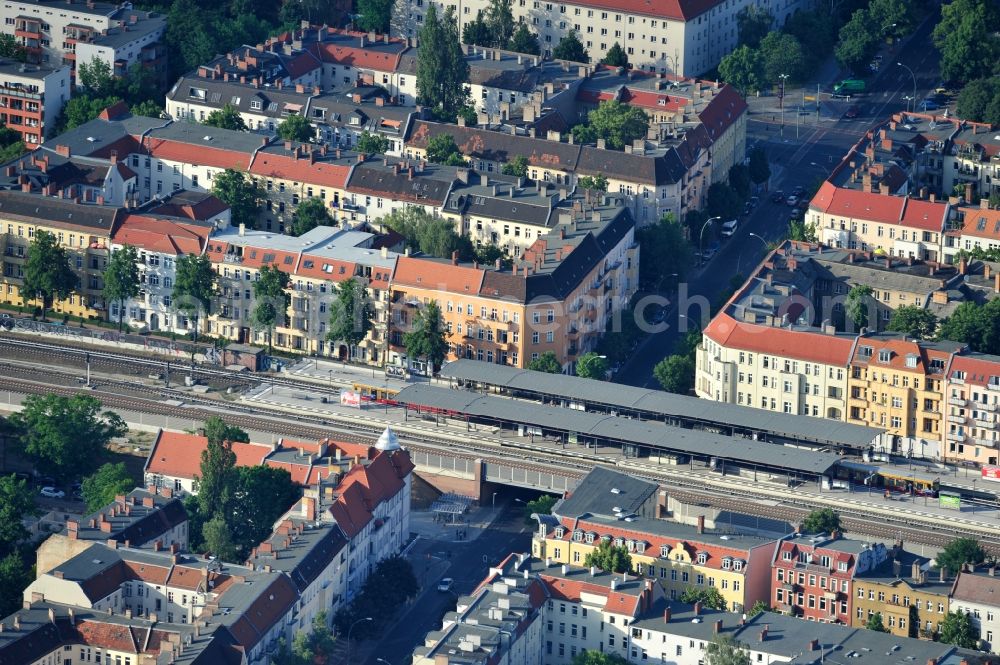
(701, 524)
(667, 614)
(697, 608)
(717, 626)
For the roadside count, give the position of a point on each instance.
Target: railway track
(730, 493)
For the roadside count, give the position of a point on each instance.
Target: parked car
(929, 105)
(729, 228)
(711, 251)
(852, 111)
(52, 493)
(792, 200)
(754, 200)
(778, 197)
(445, 584)
(799, 190)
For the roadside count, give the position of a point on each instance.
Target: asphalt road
(462, 561)
(823, 139)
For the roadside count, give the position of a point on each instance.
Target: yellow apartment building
(911, 597)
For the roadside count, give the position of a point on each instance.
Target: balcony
(959, 420)
(956, 436)
(957, 401)
(232, 258)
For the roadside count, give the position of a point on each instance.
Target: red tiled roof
(160, 235)
(572, 590)
(900, 349)
(726, 106)
(925, 215)
(265, 611)
(178, 455)
(804, 345)
(176, 151)
(301, 65)
(366, 486)
(116, 637)
(148, 572)
(438, 275)
(285, 167)
(358, 57)
(988, 219)
(978, 368)
(865, 205)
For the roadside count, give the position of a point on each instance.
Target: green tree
(189, 38)
(914, 321)
(914, 624)
(959, 552)
(753, 23)
(500, 21)
(148, 109)
(975, 325)
(543, 505)
(547, 362)
(821, 520)
(616, 57)
(309, 214)
(858, 41)
(967, 39)
(372, 144)
(427, 337)
(892, 16)
(957, 629)
(618, 124)
(351, 313)
(597, 183)
(592, 366)
(9, 48)
(271, 299)
(218, 464)
(15, 576)
(743, 69)
(218, 539)
(17, 501)
(594, 657)
(47, 274)
(759, 607)
(723, 201)
(96, 78)
(66, 436)
(760, 168)
(374, 15)
(516, 166)
(296, 128)
(859, 299)
(441, 149)
(81, 109)
(725, 650)
(121, 279)
(609, 558)
(228, 117)
(477, 32)
(709, 597)
(388, 587)
(874, 623)
(570, 48)
(525, 41)
(257, 497)
(194, 286)
(979, 100)
(241, 193)
(442, 71)
(101, 487)
(739, 180)
(798, 229)
(489, 254)
(218, 430)
(781, 53)
(816, 33)
(429, 234)
(675, 374)
(663, 252)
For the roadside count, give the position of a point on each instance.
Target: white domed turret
(388, 441)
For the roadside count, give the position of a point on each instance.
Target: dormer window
(619, 542)
(560, 532)
(884, 356)
(664, 551)
(578, 536)
(590, 537)
(726, 563)
(702, 557)
(738, 565)
(255, 104)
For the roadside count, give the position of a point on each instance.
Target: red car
(852, 112)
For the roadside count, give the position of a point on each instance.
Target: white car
(445, 584)
(729, 228)
(52, 493)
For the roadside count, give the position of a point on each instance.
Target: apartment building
(670, 171)
(144, 518)
(898, 384)
(84, 231)
(972, 400)
(524, 604)
(378, 187)
(558, 296)
(910, 596)
(674, 37)
(678, 556)
(976, 228)
(81, 31)
(32, 97)
(974, 594)
(815, 576)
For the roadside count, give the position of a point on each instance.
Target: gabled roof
(162, 234)
(980, 588)
(438, 275)
(801, 344)
(978, 369)
(178, 455)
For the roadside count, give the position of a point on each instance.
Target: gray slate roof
(595, 495)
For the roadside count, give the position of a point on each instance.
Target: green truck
(848, 86)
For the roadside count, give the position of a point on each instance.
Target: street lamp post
(494, 499)
(351, 629)
(701, 234)
(914, 77)
(763, 242)
(781, 101)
